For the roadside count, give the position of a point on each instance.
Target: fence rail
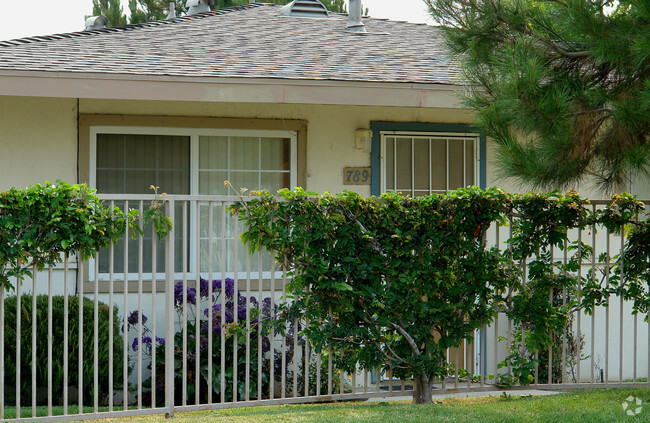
(151, 326)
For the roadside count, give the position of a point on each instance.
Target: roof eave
(234, 90)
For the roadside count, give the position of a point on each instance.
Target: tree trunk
(422, 391)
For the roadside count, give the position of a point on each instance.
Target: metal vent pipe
(199, 6)
(96, 22)
(354, 17)
(172, 10)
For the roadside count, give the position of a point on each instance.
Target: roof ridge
(128, 27)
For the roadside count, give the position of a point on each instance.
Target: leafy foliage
(385, 280)
(43, 223)
(395, 281)
(561, 86)
(41, 353)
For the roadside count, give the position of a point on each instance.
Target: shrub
(26, 354)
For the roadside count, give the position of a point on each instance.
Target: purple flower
(179, 289)
(241, 313)
(160, 341)
(134, 346)
(229, 287)
(147, 341)
(205, 287)
(133, 318)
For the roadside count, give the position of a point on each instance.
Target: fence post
(169, 315)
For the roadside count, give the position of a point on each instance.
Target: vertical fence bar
(169, 319)
(330, 374)
(96, 337)
(154, 319)
(283, 349)
(223, 303)
(457, 359)
(140, 278)
(550, 350)
(593, 315)
(636, 352)
(579, 312)
(80, 351)
(496, 323)
(111, 317)
(66, 297)
(306, 366)
(510, 340)
(295, 361)
(564, 298)
(259, 328)
(247, 369)
(210, 289)
(622, 306)
(19, 316)
(184, 354)
(365, 378)
(272, 316)
(125, 323)
(197, 308)
(607, 313)
(34, 352)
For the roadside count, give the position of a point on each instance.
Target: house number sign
(356, 176)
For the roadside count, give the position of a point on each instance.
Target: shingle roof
(250, 41)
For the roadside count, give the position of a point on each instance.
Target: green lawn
(598, 405)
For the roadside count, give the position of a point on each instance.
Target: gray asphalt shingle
(250, 41)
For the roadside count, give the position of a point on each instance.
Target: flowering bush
(228, 318)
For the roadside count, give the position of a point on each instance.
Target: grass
(596, 405)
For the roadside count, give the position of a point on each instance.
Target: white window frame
(449, 136)
(194, 135)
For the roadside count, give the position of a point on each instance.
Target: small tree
(390, 281)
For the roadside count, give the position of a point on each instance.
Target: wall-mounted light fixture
(362, 139)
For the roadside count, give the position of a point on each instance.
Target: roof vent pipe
(172, 10)
(96, 22)
(354, 17)
(198, 6)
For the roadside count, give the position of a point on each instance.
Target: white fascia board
(237, 90)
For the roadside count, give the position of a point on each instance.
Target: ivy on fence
(394, 281)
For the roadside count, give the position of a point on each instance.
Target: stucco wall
(330, 134)
(38, 136)
(38, 140)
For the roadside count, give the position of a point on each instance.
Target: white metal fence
(177, 325)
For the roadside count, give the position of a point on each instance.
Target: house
(261, 95)
(303, 86)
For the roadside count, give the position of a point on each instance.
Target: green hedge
(26, 353)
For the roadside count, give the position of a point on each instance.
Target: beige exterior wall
(38, 141)
(330, 129)
(38, 136)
